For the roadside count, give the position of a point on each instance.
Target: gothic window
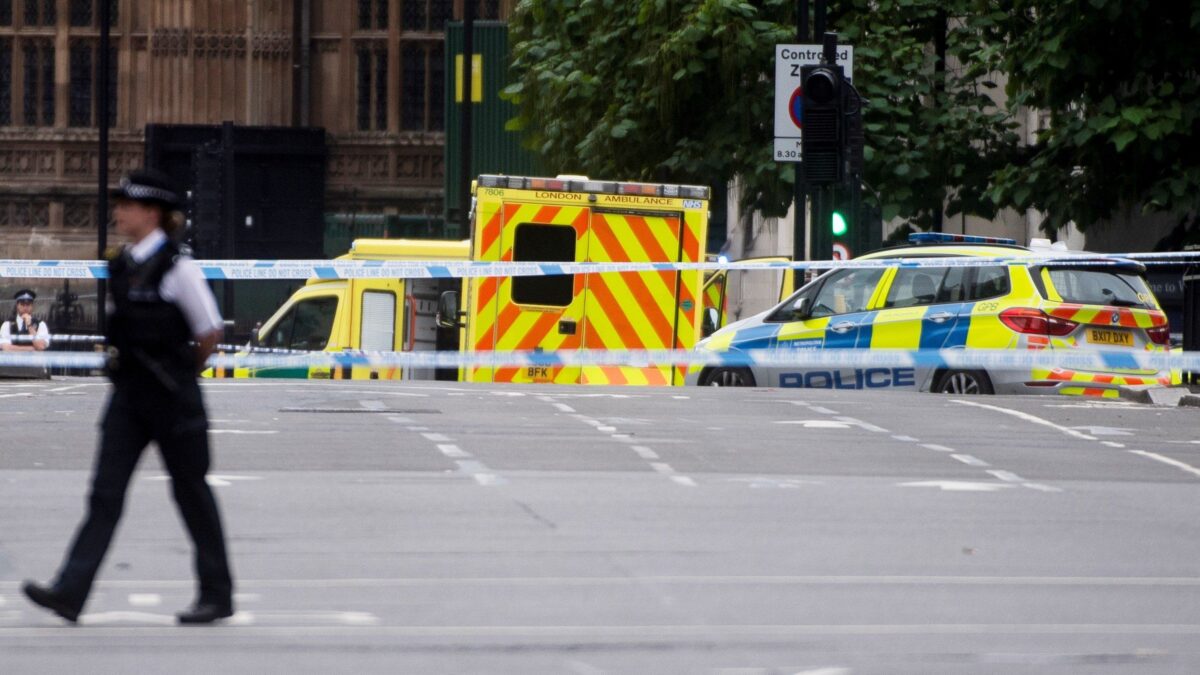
(39, 83)
(425, 15)
(372, 14)
(40, 12)
(85, 81)
(85, 13)
(5, 81)
(371, 88)
(422, 87)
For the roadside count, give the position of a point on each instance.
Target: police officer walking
(163, 324)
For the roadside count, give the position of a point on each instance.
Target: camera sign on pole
(789, 109)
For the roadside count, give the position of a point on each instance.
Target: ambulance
(518, 219)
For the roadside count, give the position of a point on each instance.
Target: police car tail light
(1036, 322)
(1160, 335)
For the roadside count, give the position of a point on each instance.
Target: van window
(378, 321)
(846, 291)
(990, 282)
(1101, 287)
(544, 243)
(307, 325)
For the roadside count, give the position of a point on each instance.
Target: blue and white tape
(447, 269)
(1082, 360)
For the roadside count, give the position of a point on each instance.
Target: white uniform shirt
(183, 285)
(17, 327)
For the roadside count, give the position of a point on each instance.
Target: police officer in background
(163, 324)
(24, 325)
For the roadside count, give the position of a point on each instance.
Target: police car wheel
(963, 382)
(729, 377)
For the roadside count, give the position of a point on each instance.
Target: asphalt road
(440, 527)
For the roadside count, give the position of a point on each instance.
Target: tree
(1120, 81)
(682, 90)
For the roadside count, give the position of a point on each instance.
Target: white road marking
(865, 425)
(662, 467)
(214, 480)
(908, 439)
(822, 410)
(782, 483)
(23, 393)
(418, 428)
(564, 407)
(244, 432)
(452, 450)
(2, 601)
(478, 471)
(816, 424)
(935, 446)
(1167, 460)
(1112, 444)
(1107, 431)
(970, 461)
(958, 485)
(400, 420)
(372, 405)
(606, 429)
(145, 599)
(436, 438)
(66, 388)
(684, 480)
(1028, 418)
(644, 452)
(1006, 476)
(111, 618)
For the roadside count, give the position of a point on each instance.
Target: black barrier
(1191, 318)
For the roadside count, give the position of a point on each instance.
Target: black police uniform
(155, 398)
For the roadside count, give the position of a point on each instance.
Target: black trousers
(138, 413)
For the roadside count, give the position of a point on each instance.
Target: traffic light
(837, 224)
(822, 135)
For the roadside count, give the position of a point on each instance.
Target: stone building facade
(370, 72)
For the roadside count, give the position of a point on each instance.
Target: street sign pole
(800, 199)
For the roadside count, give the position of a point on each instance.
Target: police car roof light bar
(951, 238)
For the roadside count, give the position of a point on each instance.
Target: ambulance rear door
(534, 312)
(642, 310)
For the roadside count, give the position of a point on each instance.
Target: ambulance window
(307, 325)
(990, 282)
(846, 291)
(378, 321)
(913, 287)
(544, 243)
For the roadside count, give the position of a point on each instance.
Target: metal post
(103, 114)
(800, 196)
(464, 188)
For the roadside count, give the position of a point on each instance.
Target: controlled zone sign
(789, 113)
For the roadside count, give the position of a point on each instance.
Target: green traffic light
(838, 223)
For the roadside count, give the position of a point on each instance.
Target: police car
(1031, 299)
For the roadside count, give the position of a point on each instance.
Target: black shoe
(204, 612)
(51, 600)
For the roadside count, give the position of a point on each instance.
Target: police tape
(1100, 361)
(235, 270)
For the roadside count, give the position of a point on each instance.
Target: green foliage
(1120, 80)
(683, 91)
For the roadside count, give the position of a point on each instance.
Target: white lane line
(822, 410)
(452, 450)
(479, 472)
(1040, 487)
(816, 424)
(865, 425)
(372, 405)
(563, 407)
(935, 446)
(662, 467)
(1006, 476)
(24, 393)
(1112, 444)
(606, 429)
(684, 480)
(244, 432)
(66, 388)
(644, 452)
(970, 461)
(436, 438)
(145, 599)
(1167, 460)
(1028, 418)
(901, 437)
(418, 428)
(400, 420)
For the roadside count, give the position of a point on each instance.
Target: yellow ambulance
(520, 219)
